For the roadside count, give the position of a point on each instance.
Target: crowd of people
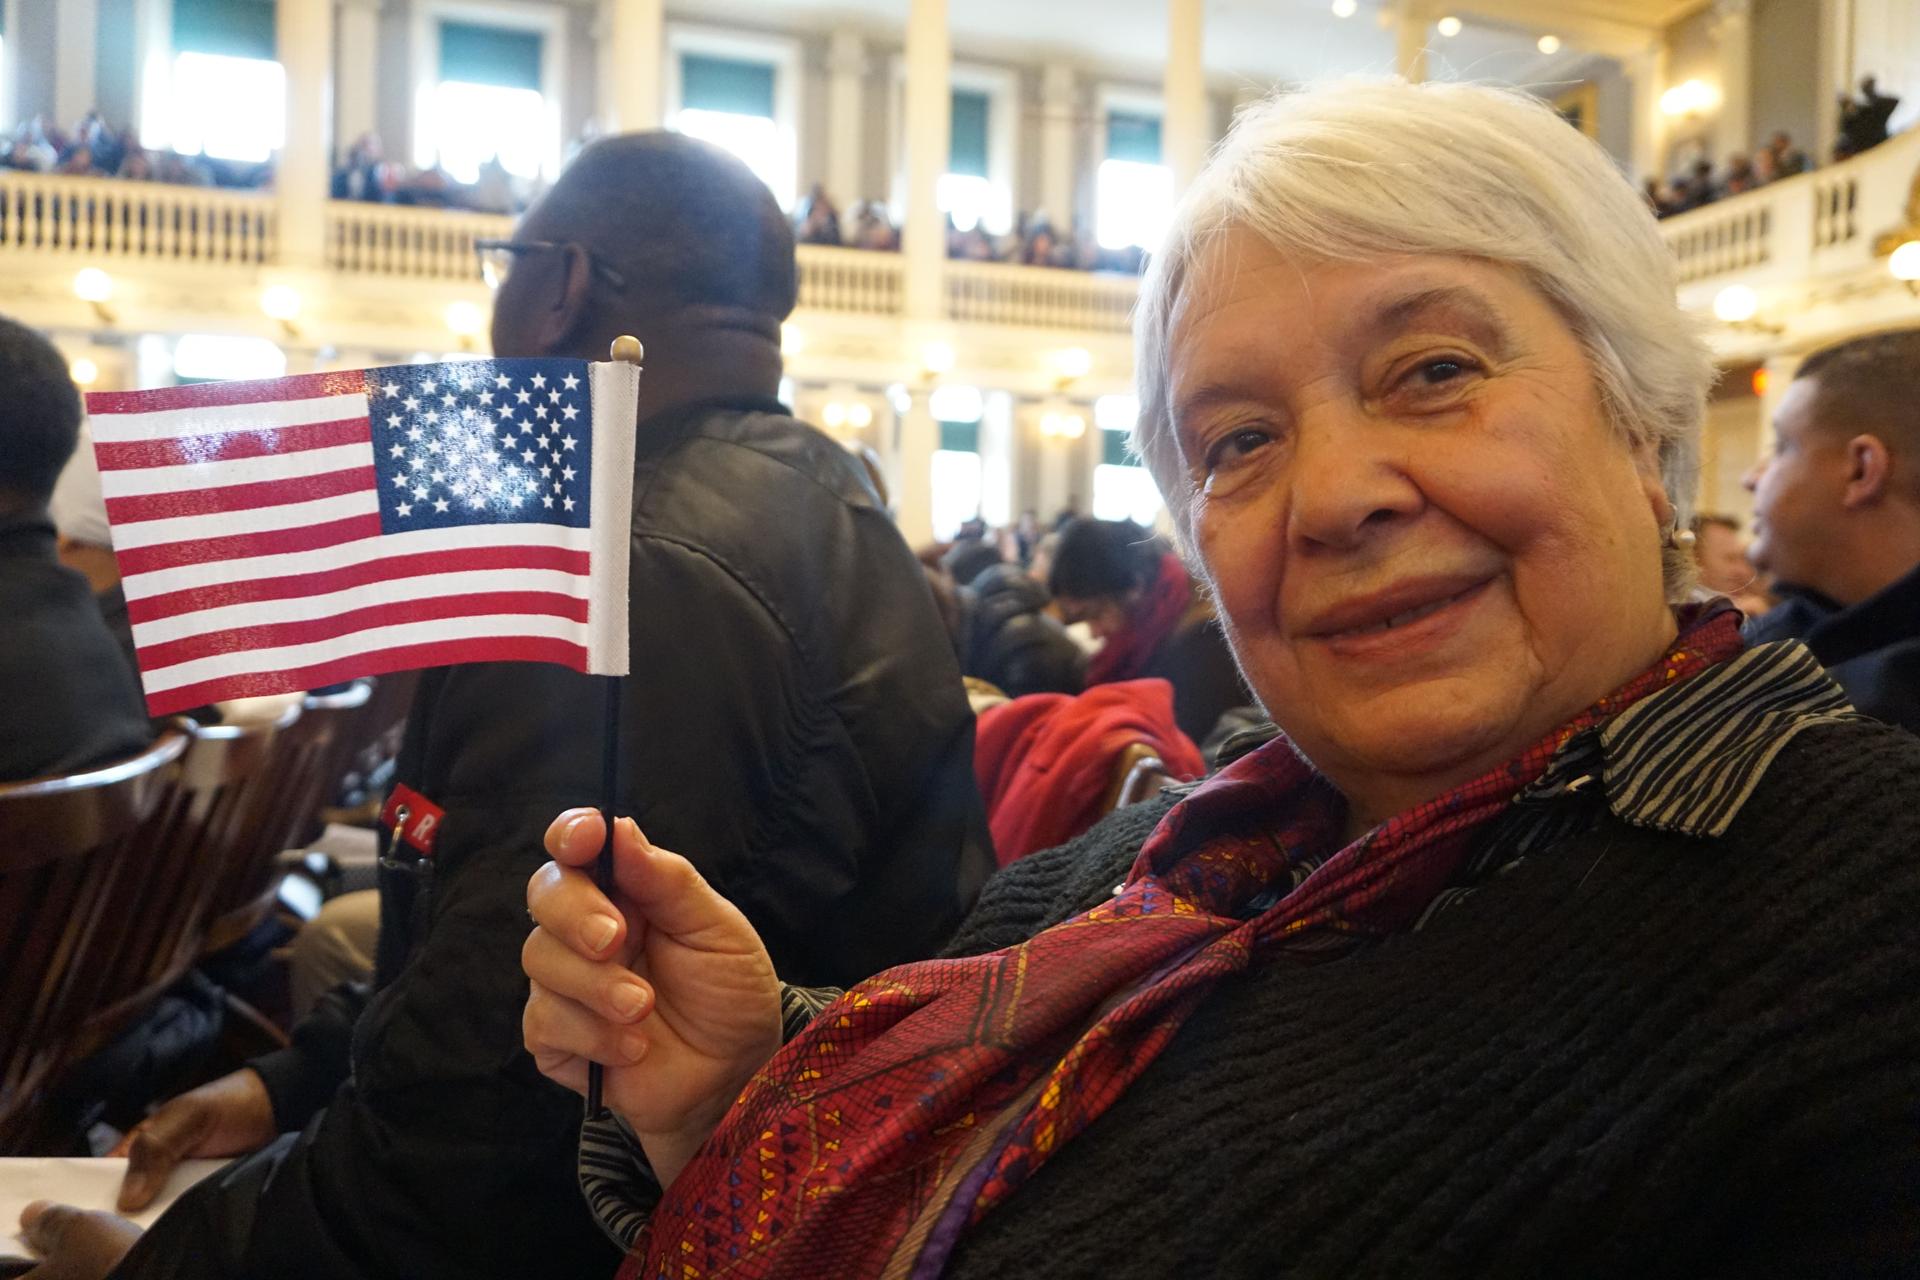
(1863, 126)
(365, 173)
(95, 149)
(1031, 241)
(1530, 910)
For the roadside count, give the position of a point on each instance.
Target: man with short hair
(794, 719)
(67, 697)
(1837, 519)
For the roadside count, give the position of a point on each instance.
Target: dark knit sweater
(1637, 1053)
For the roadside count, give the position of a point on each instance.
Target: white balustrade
(1040, 297)
(406, 243)
(1816, 224)
(149, 222)
(49, 214)
(851, 281)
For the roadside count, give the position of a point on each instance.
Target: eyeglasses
(496, 259)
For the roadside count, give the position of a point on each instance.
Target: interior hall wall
(1693, 54)
(392, 107)
(33, 66)
(1729, 447)
(115, 76)
(1786, 84)
(1886, 45)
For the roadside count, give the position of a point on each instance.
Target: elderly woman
(1555, 934)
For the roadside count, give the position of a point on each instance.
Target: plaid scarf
(926, 1095)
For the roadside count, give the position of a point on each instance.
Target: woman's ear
(1646, 463)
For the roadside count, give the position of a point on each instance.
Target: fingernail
(633, 1047)
(573, 824)
(628, 999)
(599, 931)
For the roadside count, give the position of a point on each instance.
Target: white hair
(1358, 169)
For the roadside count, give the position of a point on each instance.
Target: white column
(1834, 76)
(305, 40)
(1780, 370)
(929, 128)
(75, 52)
(630, 64)
(1647, 73)
(846, 81)
(919, 437)
(1058, 119)
(10, 66)
(999, 458)
(356, 72)
(1410, 27)
(1733, 36)
(152, 69)
(1185, 131)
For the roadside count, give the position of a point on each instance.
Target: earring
(1679, 539)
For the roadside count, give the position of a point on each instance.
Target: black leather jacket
(795, 723)
(1010, 641)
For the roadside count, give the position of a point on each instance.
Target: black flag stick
(628, 350)
(603, 868)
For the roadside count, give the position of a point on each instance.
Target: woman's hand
(667, 986)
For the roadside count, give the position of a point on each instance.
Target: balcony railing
(1039, 297)
(1818, 224)
(851, 281)
(401, 243)
(99, 218)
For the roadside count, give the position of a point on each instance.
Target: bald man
(1837, 519)
(795, 722)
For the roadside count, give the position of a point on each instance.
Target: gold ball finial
(627, 349)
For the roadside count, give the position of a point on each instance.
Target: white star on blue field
(482, 442)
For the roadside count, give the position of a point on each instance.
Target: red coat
(1045, 762)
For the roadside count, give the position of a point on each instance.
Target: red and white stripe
(246, 522)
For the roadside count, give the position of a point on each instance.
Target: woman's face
(1428, 545)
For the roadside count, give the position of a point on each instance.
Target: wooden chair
(257, 764)
(1138, 774)
(163, 906)
(68, 846)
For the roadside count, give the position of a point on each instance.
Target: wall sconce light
(84, 372)
(1069, 365)
(856, 415)
(936, 358)
(94, 286)
(1689, 99)
(1548, 44)
(1344, 8)
(1060, 425)
(1905, 265)
(282, 302)
(1448, 26)
(1736, 306)
(464, 321)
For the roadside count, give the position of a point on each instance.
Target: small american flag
(290, 533)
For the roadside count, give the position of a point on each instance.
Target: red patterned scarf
(926, 1095)
(1127, 651)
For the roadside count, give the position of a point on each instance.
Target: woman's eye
(1234, 446)
(1438, 377)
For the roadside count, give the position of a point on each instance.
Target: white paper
(85, 1184)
